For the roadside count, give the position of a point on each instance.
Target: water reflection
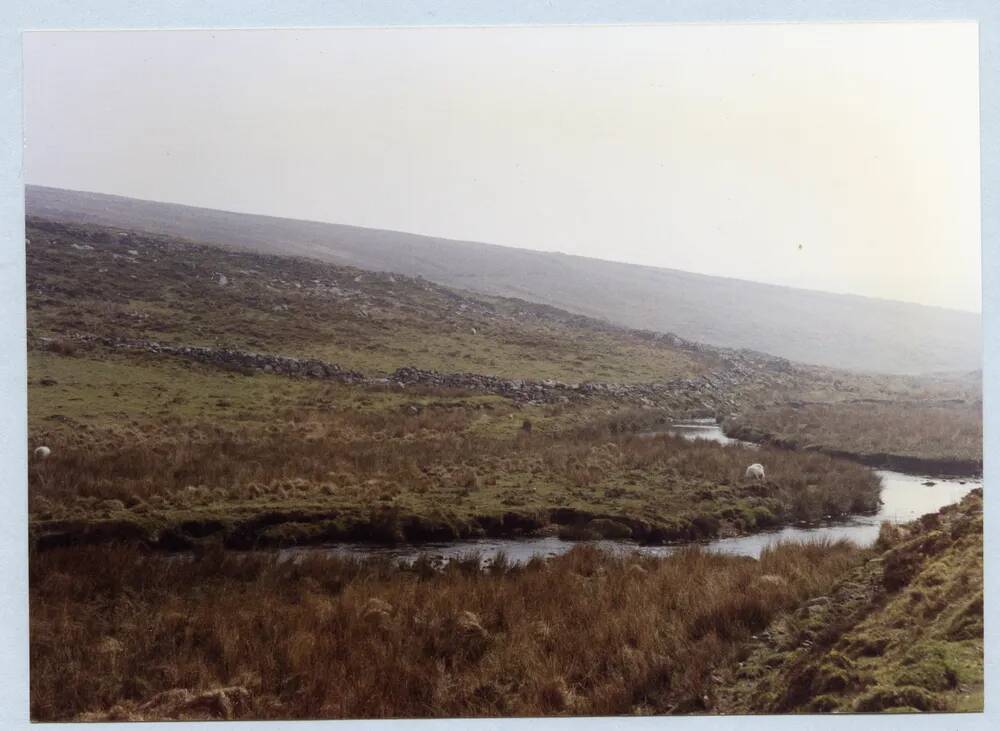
(704, 429)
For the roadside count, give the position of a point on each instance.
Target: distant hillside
(83, 278)
(841, 331)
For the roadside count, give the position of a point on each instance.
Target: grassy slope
(902, 632)
(87, 279)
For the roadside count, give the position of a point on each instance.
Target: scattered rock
(703, 395)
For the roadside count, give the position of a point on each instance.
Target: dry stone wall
(710, 394)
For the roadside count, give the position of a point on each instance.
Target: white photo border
(18, 16)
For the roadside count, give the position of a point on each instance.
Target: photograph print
(504, 371)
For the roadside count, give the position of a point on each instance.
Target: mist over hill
(843, 331)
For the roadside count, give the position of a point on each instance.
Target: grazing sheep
(755, 472)
(42, 452)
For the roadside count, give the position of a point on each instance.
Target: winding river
(904, 498)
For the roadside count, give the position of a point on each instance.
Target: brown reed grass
(585, 633)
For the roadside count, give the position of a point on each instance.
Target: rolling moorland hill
(826, 329)
(295, 316)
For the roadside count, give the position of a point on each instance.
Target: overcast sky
(835, 157)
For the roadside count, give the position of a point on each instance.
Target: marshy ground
(265, 460)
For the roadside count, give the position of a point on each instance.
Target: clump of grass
(905, 699)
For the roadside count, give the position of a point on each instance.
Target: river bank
(519, 538)
(253, 636)
(758, 518)
(942, 439)
(347, 464)
(903, 498)
(901, 632)
(814, 626)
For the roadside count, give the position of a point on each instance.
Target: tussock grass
(584, 633)
(435, 464)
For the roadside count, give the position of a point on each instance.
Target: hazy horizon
(836, 158)
(520, 248)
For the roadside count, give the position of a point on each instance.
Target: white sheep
(42, 452)
(755, 472)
